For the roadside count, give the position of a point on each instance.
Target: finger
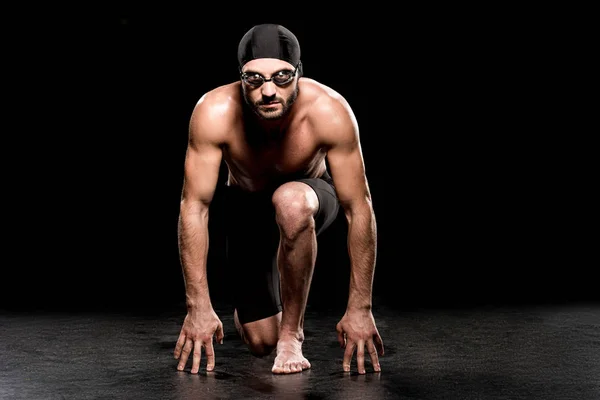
(185, 353)
(197, 356)
(360, 357)
(378, 343)
(373, 354)
(348, 353)
(179, 345)
(209, 352)
(219, 334)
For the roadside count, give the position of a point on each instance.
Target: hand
(197, 331)
(356, 330)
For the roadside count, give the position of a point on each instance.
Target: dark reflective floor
(520, 352)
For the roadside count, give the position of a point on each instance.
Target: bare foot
(289, 357)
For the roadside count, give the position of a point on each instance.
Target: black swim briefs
(252, 241)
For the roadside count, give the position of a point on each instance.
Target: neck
(273, 128)
(269, 128)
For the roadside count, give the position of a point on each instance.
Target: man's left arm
(357, 329)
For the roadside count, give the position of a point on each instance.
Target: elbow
(195, 207)
(359, 209)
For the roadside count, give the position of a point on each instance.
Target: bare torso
(256, 158)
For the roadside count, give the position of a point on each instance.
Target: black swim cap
(269, 41)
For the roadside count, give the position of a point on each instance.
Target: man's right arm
(201, 172)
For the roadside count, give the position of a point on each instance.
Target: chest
(297, 149)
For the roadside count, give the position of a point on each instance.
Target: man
(275, 130)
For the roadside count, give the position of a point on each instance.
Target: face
(269, 100)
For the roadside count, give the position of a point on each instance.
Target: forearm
(193, 250)
(362, 249)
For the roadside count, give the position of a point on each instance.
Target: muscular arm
(356, 330)
(201, 171)
(348, 172)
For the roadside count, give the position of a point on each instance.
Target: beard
(272, 114)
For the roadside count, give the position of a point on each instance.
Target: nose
(268, 89)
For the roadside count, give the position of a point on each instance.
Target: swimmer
(292, 150)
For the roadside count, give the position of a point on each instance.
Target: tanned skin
(263, 135)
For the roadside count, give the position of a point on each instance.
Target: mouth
(270, 105)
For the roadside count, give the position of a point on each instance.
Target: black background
(470, 189)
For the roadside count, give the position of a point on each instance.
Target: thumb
(219, 335)
(340, 337)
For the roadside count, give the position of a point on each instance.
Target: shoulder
(328, 112)
(216, 112)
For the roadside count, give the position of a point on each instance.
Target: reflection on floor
(541, 352)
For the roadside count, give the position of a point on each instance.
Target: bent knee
(260, 336)
(295, 206)
(261, 348)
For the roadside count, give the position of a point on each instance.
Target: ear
(300, 69)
